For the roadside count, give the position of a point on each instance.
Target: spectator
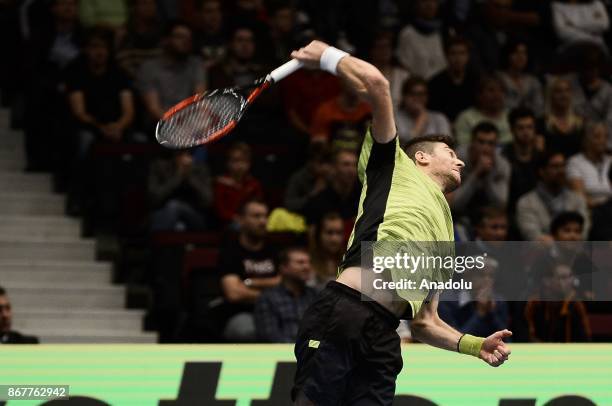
(452, 90)
(486, 176)
(140, 39)
(579, 23)
(522, 154)
(587, 171)
(522, 89)
(237, 185)
(490, 106)
(279, 309)
(419, 47)
(479, 311)
(567, 229)
(342, 192)
(593, 94)
(310, 180)
(247, 265)
(413, 119)
(8, 336)
(109, 13)
(341, 121)
(381, 56)
(211, 39)
(101, 103)
(602, 218)
(180, 192)
(551, 196)
(172, 77)
(553, 314)
(561, 126)
(47, 54)
(327, 247)
(283, 32)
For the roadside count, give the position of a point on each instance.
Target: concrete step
(26, 182)
(39, 227)
(36, 204)
(93, 337)
(47, 249)
(28, 295)
(49, 277)
(91, 319)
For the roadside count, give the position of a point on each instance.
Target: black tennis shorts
(347, 350)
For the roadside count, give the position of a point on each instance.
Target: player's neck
(436, 179)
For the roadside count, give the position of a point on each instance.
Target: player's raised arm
(365, 79)
(429, 328)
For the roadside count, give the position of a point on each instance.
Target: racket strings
(202, 119)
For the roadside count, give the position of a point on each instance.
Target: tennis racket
(208, 116)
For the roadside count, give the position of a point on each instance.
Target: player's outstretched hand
(494, 350)
(310, 55)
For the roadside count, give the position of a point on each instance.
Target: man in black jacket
(6, 335)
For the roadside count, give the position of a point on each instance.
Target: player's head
(567, 226)
(434, 155)
(294, 264)
(6, 316)
(253, 218)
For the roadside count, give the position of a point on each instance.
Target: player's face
(446, 166)
(6, 315)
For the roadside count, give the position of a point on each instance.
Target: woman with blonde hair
(561, 126)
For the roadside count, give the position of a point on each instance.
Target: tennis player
(347, 350)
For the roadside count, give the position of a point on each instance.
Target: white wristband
(330, 59)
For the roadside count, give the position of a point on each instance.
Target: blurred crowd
(234, 239)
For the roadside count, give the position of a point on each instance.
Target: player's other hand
(310, 55)
(494, 350)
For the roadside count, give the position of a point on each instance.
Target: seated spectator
(109, 13)
(592, 93)
(237, 185)
(8, 336)
(412, 118)
(490, 106)
(587, 171)
(419, 47)
(479, 311)
(342, 192)
(180, 193)
(561, 126)
(452, 90)
(486, 176)
(567, 229)
(327, 247)
(522, 154)
(47, 53)
(341, 121)
(140, 39)
(579, 23)
(602, 219)
(279, 309)
(551, 196)
(522, 88)
(247, 265)
(381, 56)
(101, 103)
(210, 40)
(553, 314)
(283, 34)
(310, 180)
(172, 77)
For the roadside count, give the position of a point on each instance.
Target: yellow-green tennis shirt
(398, 203)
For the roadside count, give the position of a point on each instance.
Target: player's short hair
(484, 127)
(2, 291)
(520, 113)
(425, 144)
(285, 254)
(565, 218)
(254, 200)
